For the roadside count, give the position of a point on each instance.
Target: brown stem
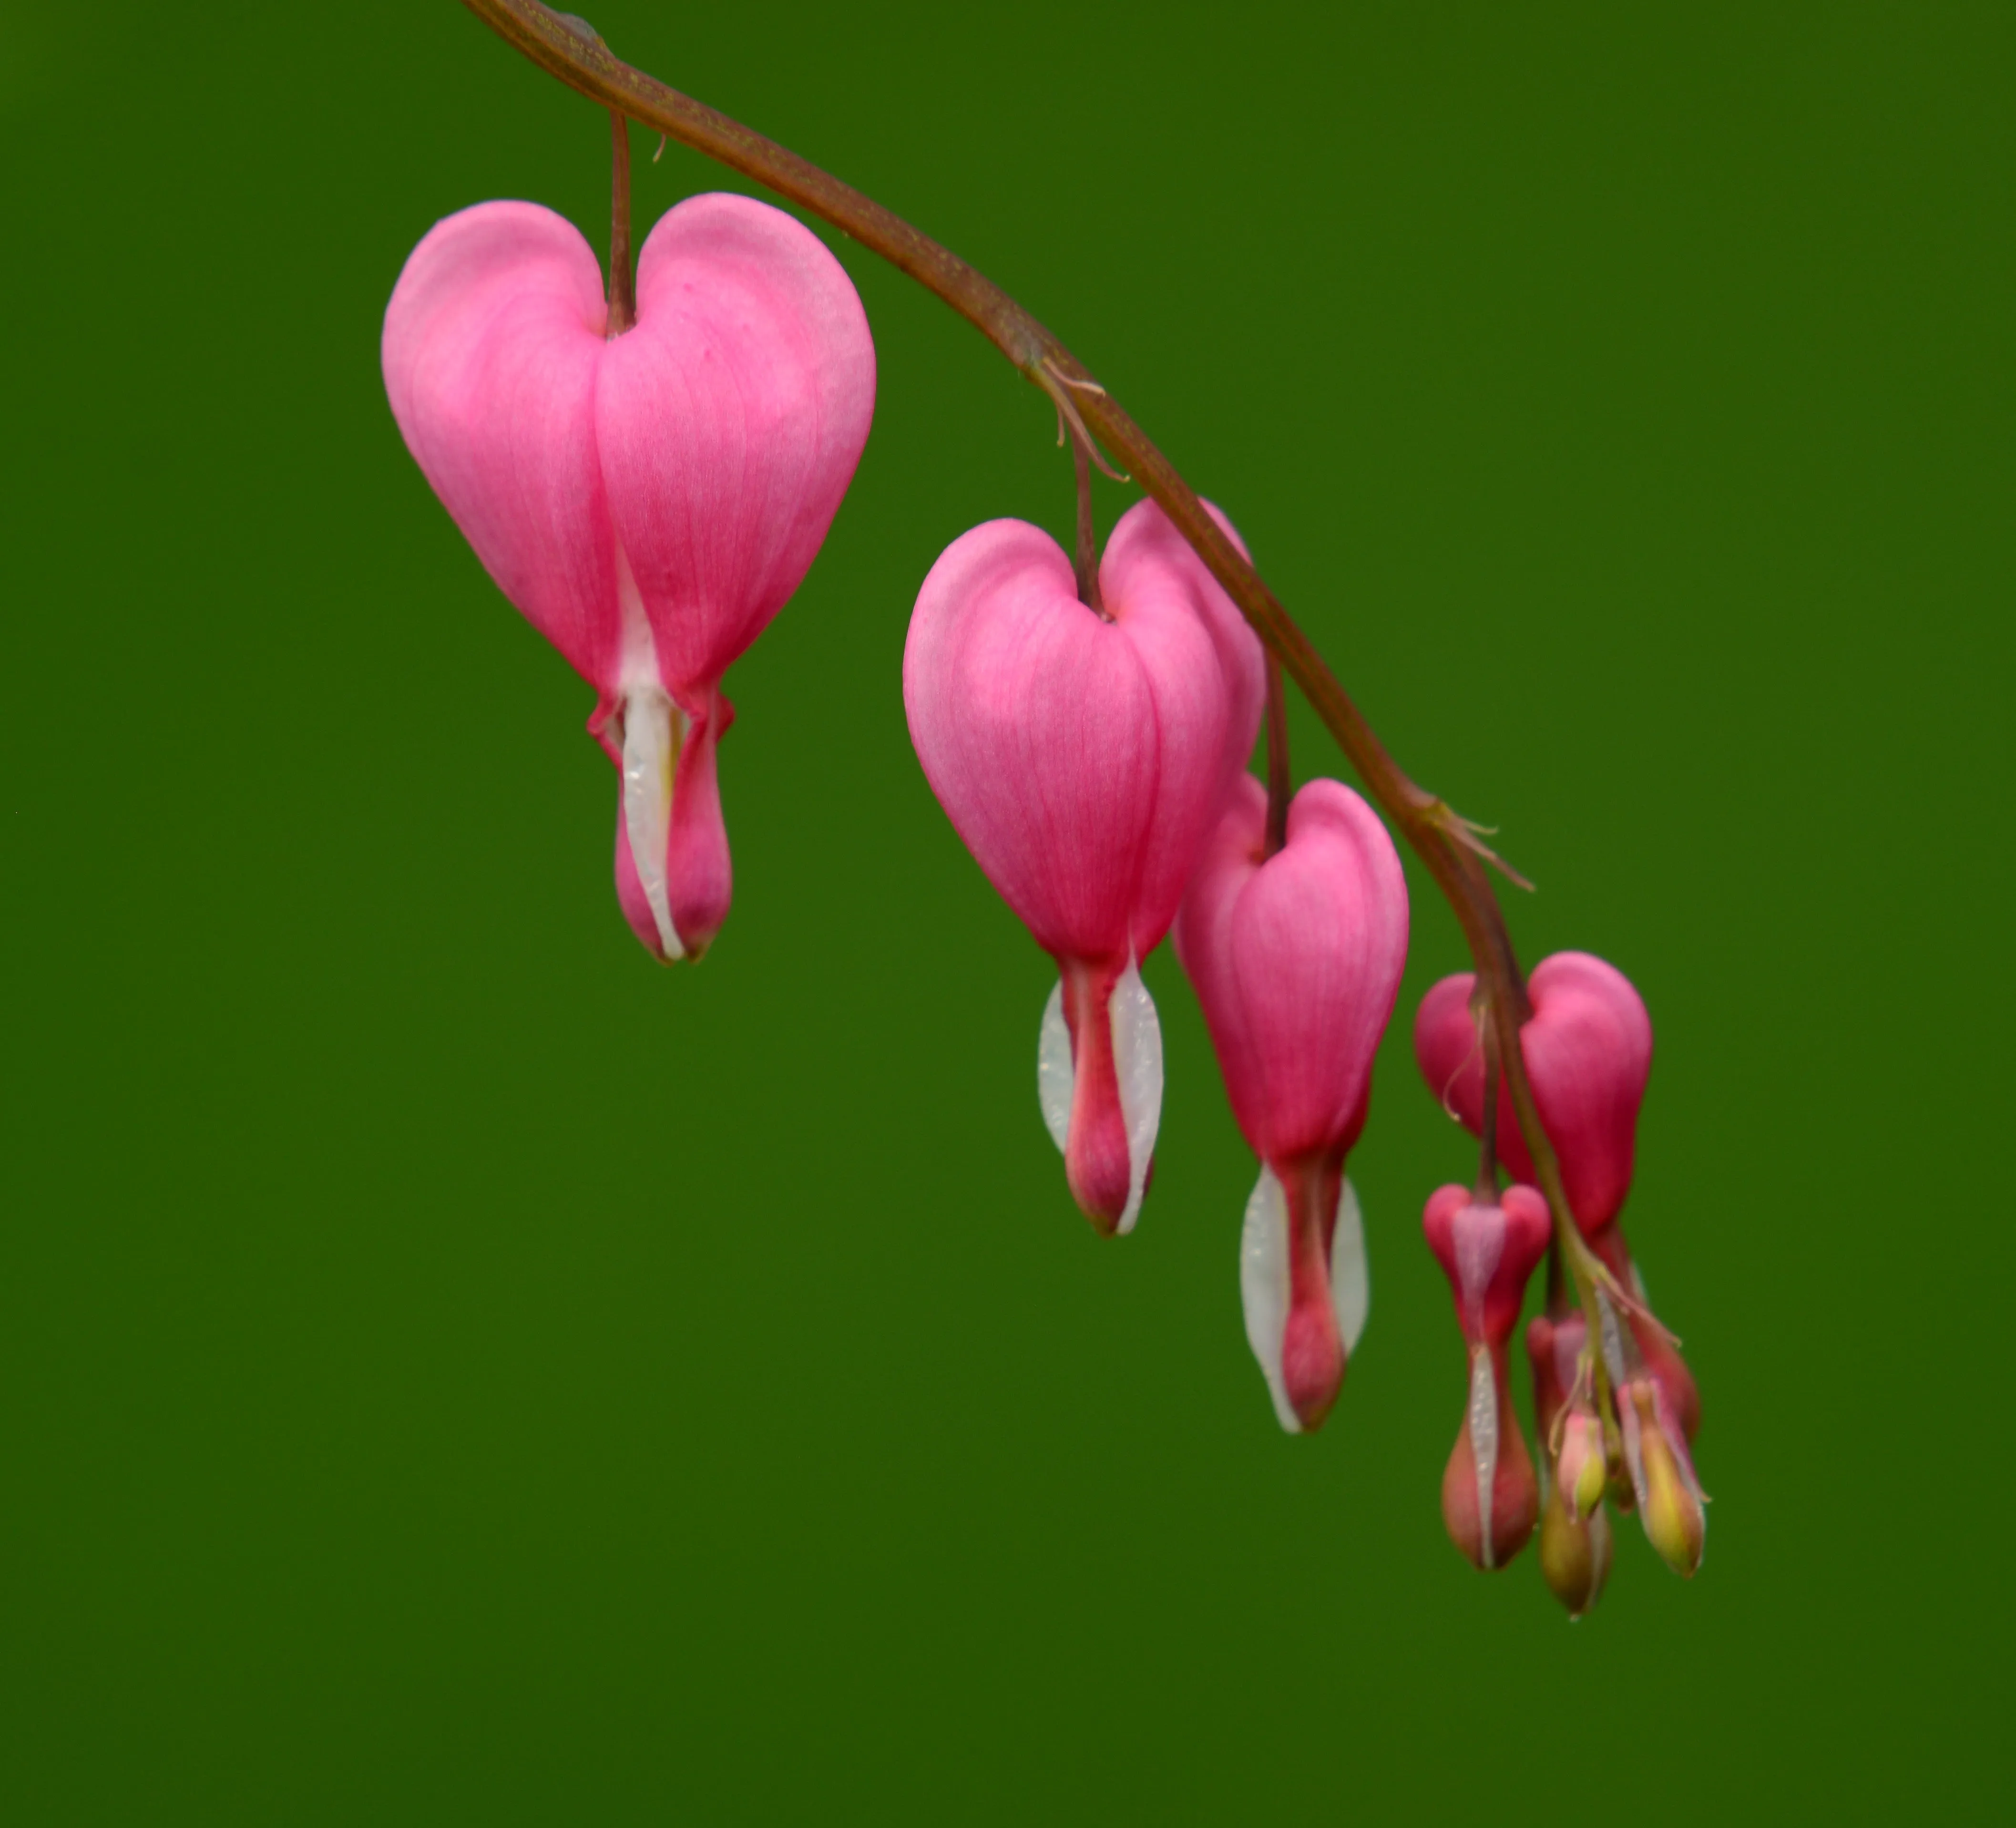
(1280, 783)
(622, 276)
(1085, 565)
(584, 63)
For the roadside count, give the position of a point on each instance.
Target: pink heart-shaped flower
(1083, 757)
(649, 503)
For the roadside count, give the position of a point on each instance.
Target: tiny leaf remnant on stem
(567, 50)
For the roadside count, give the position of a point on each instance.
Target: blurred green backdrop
(453, 1370)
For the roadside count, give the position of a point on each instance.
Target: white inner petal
(653, 727)
(1055, 1080)
(1263, 1286)
(1484, 1441)
(1350, 1281)
(1137, 1062)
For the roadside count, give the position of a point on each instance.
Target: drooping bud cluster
(1588, 1052)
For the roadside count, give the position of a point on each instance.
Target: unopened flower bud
(1575, 1553)
(1575, 1539)
(1487, 1248)
(1490, 1495)
(1670, 1498)
(1579, 1469)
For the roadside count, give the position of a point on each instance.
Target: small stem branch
(1086, 562)
(622, 276)
(585, 63)
(1487, 1146)
(1280, 783)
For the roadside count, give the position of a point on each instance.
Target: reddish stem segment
(584, 63)
(1280, 783)
(1086, 562)
(622, 276)
(1487, 1146)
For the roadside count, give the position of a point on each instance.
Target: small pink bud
(1588, 1048)
(649, 502)
(1487, 1249)
(1296, 959)
(1670, 1499)
(1490, 1497)
(1083, 757)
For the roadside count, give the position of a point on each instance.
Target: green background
(451, 1369)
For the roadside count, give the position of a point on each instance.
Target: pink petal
(491, 345)
(1297, 961)
(731, 418)
(1036, 725)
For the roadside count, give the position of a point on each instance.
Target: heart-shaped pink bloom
(1487, 1249)
(649, 501)
(1588, 1046)
(1083, 760)
(1296, 959)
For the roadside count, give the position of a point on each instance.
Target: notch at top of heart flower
(650, 499)
(1082, 754)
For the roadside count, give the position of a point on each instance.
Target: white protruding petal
(1137, 1063)
(1263, 1286)
(1055, 1080)
(653, 727)
(1484, 1441)
(1350, 1281)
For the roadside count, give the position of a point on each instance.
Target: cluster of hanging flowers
(649, 483)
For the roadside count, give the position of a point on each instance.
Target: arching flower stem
(565, 49)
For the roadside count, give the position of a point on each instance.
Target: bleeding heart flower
(1487, 1249)
(1588, 1046)
(1296, 959)
(649, 502)
(1083, 756)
